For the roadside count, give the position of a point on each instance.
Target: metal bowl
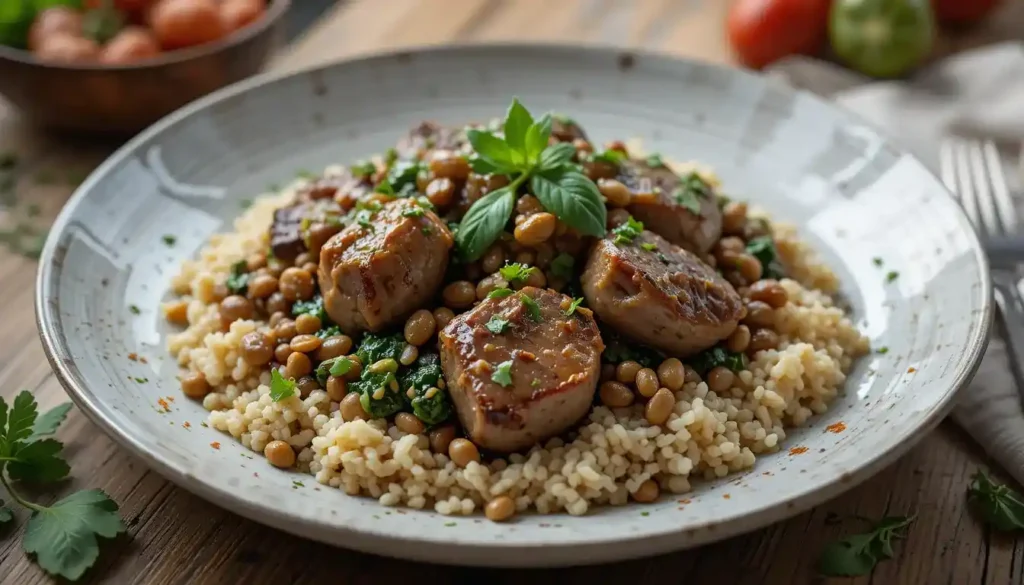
(123, 99)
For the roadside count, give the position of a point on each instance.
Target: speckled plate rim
(432, 548)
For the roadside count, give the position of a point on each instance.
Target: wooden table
(175, 537)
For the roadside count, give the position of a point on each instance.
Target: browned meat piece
(382, 267)
(552, 361)
(659, 294)
(657, 195)
(429, 136)
(346, 189)
(566, 130)
(303, 226)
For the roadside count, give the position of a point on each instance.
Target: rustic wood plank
(175, 537)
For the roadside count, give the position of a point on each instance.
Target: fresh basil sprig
(997, 504)
(858, 554)
(523, 154)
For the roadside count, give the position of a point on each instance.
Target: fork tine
(947, 168)
(965, 186)
(1000, 191)
(982, 189)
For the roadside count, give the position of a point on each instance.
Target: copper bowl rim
(275, 10)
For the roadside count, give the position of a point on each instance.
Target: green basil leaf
(492, 149)
(517, 122)
(481, 166)
(574, 199)
(537, 137)
(555, 155)
(484, 222)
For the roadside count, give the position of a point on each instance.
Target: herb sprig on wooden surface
(997, 504)
(858, 554)
(62, 536)
(523, 154)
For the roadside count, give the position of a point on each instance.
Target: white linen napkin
(978, 93)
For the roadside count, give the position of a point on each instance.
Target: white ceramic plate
(852, 194)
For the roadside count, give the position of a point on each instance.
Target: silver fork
(973, 171)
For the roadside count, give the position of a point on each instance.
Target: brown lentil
(614, 192)
(769, 292)
(493, 259)
(351, 409)
(462, 451)
(311, 268)
(235, 307)
(525, 257)
(488, 284)
(442, 315)
(307, 324)
(262, 286)
(305, 385)
(748, 267)
(296, 284)
(739, 340)
(408, 423)
(419, 328)
(607, 372)
(626, 371)
(647, 492)
(459, 294)
(194, 385)
(528, 204)
(276, 303)
(720, 379)
(334, 346)
(336, 388)
(615, 394)
(256, 349)
(672, 374)
(285, 330)
(692, 375)
(305, 343)
(535, 229)
(176, 312)
(449, 165)
(734, 218)
(660, 406)
(409, 355)
(617, 217)
(302, 258)
(441, 192)
(759, 314)
(255, 261)
(298, 365)
(763, 339)
(646, 382)
(500, 509)
(281, 353)
(279, 454)
(536, 278)
(441, 437)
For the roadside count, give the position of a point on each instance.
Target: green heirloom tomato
(882, 38)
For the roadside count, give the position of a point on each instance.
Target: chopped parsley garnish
(390, 156)
(627, 232)
(573, 306)
(516, 272)
(710, 359)
(535, 383)
(402, 175)
(503, 374)
(877, 261)
(882, 350)
(690, 192)
(891, 276)
(612, 157)
(413, 212)
(238, 280)
(654, 161)
(134, 309)
(341, 366)
(169, 239)
(497, 325)
(363, 168)
(314, 307)
(663, 258)
(363, 217)
(561, 266)
(426, 231)
(531, 307)
(763, 248)
(649, 246)
(280, 387)
(499, 293)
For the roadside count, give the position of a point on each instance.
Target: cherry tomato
(133, 43)
(184, 23)
(962, 12)
(763, 31)
(59, 19)
(239, 13)
(67, 48)
(882, 38)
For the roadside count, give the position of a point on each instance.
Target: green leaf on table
(997, 504)
(574, 199)
(47, 423)
(517, 122)
(38, 462)
(484, 222)
(20, 419)
(6, 514)
(63, 536)
(858, 554)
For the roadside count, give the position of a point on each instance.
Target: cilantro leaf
(649, 246)
(47, 423)
(516, 272)
(497, 325)
(690, 192)
(573, 306)
(612, 157)
(484, 222)
(627, 232)
(532, 308)
(763, 248)
(413, 212)
(517, 123)
(573, 198)
(503, 374)
(280, 387)
(499, 293)
(39, 462)
(238, 280)
(63, 536)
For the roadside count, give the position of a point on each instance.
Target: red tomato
(239, 13)
(962, 11)
(763, 31)
(51, 21)
(67, 48)
(133, 43)
(184, 23)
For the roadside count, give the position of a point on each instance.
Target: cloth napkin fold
(974, 94)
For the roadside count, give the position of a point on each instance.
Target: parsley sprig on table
(858, 554)
(997, 504)
(523, 154)
(61, 536)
